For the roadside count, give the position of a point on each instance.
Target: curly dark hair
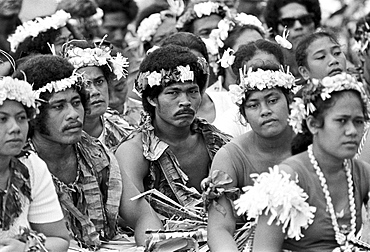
(41, 70)
(189, 40)
(168, 58)
(272, 12)
(246, 52)
(78, 8)
(301, 51)
(129, 7)
(39, 44)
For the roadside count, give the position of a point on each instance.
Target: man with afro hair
(118, 14)
(87, 178)
(172, 150)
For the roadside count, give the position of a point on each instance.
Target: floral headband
(202, 9)
(164, 78)
(259, 80)
(34, 28)
(18, 90)
(219, 35)
(98, 56)
(148, 26)
(301, 108)
(60, 85)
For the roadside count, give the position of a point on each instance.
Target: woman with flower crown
(312, 201)
(30, 215)
(263, 97)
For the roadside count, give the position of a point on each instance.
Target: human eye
(341, 120)
(22, 118)
(99, 82)
(251, 105)
(76, 103)
(120, 87)
(320, 57)
(359, 121)
(3, 119)
(194, 91)
(273, 100)
(57, 106)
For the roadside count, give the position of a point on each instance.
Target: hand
(11, 245)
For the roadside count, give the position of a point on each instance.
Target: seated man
(99, 70)
(173, 150)
(86, 175)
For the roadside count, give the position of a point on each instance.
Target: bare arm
(221, 227)
(268, 238)
(56, 233)
(137, 213)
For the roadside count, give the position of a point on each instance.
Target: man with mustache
(88, 180)
(99, 70)
(172, 150)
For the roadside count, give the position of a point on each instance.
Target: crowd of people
(199, 125)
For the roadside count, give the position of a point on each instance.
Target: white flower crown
(34, 28)
(259, 80)
(301, 108)
(164, 77)
(18, 90)
(202, 9)
(60, 85)
(97, 56)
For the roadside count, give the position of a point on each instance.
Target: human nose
(184, 99)
(333, 60)
(91, 88)
(351, 129)
(14, 126)
(265, 110)
(72, 113)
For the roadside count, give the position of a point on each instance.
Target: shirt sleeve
(45, 206)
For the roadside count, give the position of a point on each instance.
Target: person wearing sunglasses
(298, 17)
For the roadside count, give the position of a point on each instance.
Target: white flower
(18, 90)
(148, 27)
(243, 19)
(120, 65)
(206, 8)
(283, 42)
(60, 85)
(236, 94)
(228, 58)
(185, 73)
(154, 79)
(276, 194)
(34, 28)
(297, 114)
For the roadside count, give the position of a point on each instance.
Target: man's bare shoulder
(132, 145)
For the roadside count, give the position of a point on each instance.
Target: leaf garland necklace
(19, 183)
(340, 237)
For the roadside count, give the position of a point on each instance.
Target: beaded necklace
(341, 238)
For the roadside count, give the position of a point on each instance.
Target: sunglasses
(290, 21)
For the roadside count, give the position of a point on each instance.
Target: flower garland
(18, 90)
(34, 28)
(259, 80)
(199, 10)
(164, 78)
(60, 85)
(339, 236)
(276, 194)
(302, 107)
(97, 56)
(19, 184)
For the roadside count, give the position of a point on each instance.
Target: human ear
(152, 102)
(304, 72)
(312, 124)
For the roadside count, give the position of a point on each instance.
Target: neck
(51, 152)
(4, 164)
(277, 144)
(93, 126)
(171, 134)
(327, 163)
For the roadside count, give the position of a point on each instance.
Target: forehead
(91, 72)
(292, 10)
(181, 85)
(346, 103)
(265, 93)
(321, 44)
(245, 37)
(116, 19)
(11, 106)
(66, 95)
(206, 22)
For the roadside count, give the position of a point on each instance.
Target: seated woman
(325, 184)
(30, 215)
(263, 97)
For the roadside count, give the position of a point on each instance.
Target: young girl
(263, 99)
(320, 209)
(28, 200)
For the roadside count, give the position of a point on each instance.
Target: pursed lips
(335, 71)
(268, 121)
